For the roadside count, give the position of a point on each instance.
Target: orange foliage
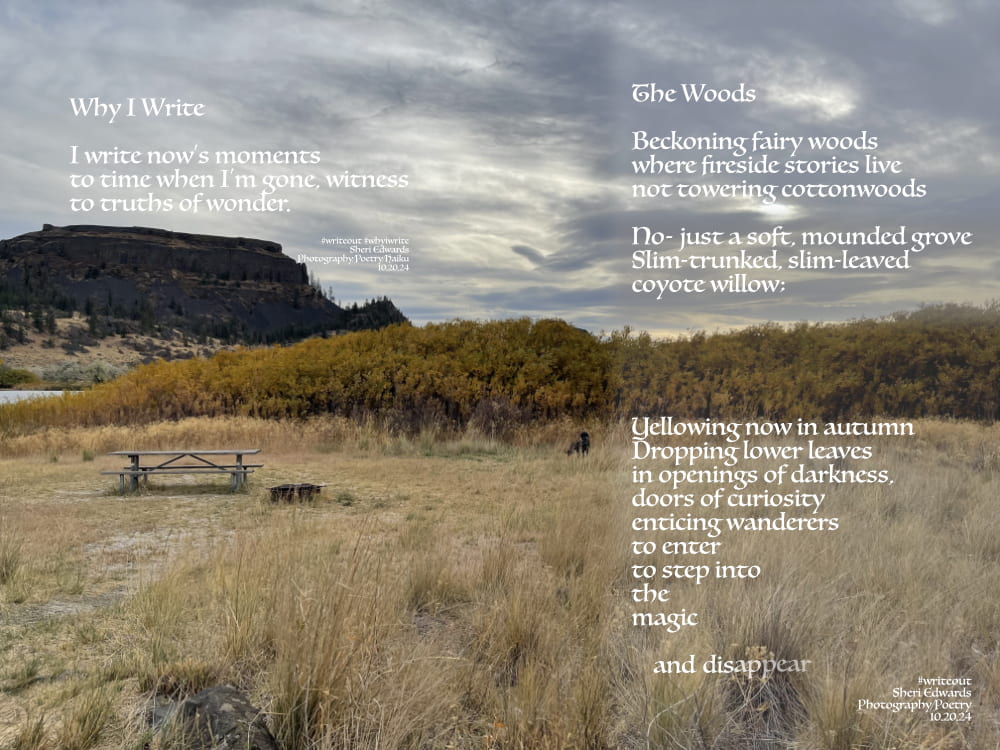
(442, 372)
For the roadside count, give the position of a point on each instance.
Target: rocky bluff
(232, 288)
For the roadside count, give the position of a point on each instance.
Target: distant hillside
(163, 287)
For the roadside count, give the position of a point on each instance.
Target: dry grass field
(450, 592)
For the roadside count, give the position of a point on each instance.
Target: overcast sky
(513, 123)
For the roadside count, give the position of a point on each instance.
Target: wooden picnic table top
(234, 452)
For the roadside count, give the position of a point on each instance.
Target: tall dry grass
(487, 605)
(317, 434)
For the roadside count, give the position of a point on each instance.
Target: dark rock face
(201, 284)
(222, 718)
(148, 248)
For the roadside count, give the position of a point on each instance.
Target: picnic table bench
(185, 462)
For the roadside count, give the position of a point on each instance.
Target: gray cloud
(532, 255)
(512, 122)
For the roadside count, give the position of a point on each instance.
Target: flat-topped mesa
(194, 239)
(227, 287)
(146, 247)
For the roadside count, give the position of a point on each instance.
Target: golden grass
(475, 594)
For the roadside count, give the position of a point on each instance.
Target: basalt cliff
(136, 282)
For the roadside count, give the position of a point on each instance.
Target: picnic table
(146, 463)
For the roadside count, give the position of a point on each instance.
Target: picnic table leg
(121, 484)
(133, 484)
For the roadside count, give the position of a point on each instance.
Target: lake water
(9, 397)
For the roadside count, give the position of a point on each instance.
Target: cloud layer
(512, 123)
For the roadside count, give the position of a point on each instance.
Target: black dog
(581, 446)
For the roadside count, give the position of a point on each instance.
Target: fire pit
(287, 493)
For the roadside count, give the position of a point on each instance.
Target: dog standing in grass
(580, 446)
